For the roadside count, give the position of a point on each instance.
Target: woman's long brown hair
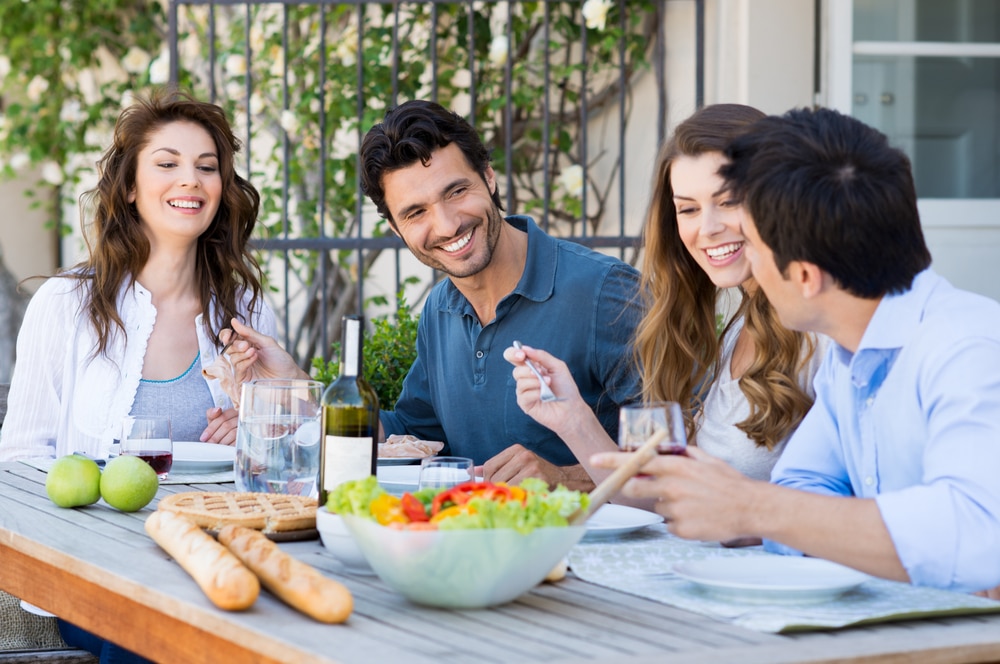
(118, 249)
(677, 344)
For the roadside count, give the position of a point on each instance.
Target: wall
(28, 247)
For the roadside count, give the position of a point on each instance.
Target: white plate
(31, 608)
(399, 461)
(771, 579)
(613, 520)
(399, 479)
(202, 457)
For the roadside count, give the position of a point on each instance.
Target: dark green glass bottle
(349, 448)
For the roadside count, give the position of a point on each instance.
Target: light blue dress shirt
(912, 419)
(576, 303)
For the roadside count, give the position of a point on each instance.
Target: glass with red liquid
(638, 422)
(149, 439)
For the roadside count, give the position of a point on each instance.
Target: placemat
(641, 564)
(172, 478)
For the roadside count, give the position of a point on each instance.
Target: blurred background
(573, 98)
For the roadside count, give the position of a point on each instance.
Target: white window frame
(838, 33)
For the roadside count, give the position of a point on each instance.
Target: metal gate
(548, 84)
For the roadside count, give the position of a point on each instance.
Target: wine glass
(637, 422)
(445, 471)
(149, 439)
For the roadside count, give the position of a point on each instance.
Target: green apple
(128, 483)
(73, 481)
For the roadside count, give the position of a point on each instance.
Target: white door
(927, 74)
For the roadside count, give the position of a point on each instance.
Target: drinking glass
(637, 422)
(278, 436)
(149, 439)
(445, 471)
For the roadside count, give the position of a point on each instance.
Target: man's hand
(516, 463)
(221, 427)
(697, 494)
(992, 593)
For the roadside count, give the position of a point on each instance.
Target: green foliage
(302, 82)
(390, 348)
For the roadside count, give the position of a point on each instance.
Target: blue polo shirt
(576, 303)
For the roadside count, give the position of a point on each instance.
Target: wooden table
(97, 568)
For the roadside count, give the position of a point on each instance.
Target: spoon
(547, 393)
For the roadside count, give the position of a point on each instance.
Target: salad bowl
(462, 569)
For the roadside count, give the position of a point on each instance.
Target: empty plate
(771, 579)
(202, 457)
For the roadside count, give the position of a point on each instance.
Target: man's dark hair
(825, 188)
(410, 133)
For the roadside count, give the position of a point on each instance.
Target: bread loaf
(220, 575)
(293, 581)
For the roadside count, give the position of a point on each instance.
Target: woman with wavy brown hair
(129, 330)
(745, 388)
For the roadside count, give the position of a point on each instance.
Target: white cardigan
(62, 398)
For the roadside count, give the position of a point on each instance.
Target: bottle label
(346, 458)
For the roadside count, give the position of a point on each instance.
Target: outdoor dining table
(96, 567)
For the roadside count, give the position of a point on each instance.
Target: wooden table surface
(97, 568)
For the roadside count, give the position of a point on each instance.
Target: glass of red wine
(149, 439)
(639, 421)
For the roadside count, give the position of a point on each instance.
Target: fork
(547, 393)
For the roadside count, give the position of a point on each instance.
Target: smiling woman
(168, 268)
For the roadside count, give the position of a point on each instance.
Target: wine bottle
(350, 417)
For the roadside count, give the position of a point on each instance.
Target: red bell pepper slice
(413, 508)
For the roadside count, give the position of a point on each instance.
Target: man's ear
(392, 225)
(491, 179)
(808, 277)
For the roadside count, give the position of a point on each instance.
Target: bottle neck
(350, 348)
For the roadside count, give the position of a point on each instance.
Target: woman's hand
(221, 428)
(551, 414)
(256, 355)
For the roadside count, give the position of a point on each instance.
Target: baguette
(293, 581)
(219, 574)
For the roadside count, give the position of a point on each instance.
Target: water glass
(278, 437)
(637, 422)
(445, 471)
(149, 439)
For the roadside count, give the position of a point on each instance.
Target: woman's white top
(63, 398)
(726, 406)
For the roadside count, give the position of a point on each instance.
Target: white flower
(498, 50)
(128, 98)
(461, 79)
(236, 65)
(257, 39)
(87, 84)
(19, 160)
(4, 67)
(52, 173)
(71, 112)
(256, 103)
(159, 69)
(36, 88)
(136, 61)
(347, 47)
(110, 69)
(289, 122)
(595, 12)
(571, 179)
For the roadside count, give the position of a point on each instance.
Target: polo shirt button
(869, 481)
(479, 354)
(869, 401)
